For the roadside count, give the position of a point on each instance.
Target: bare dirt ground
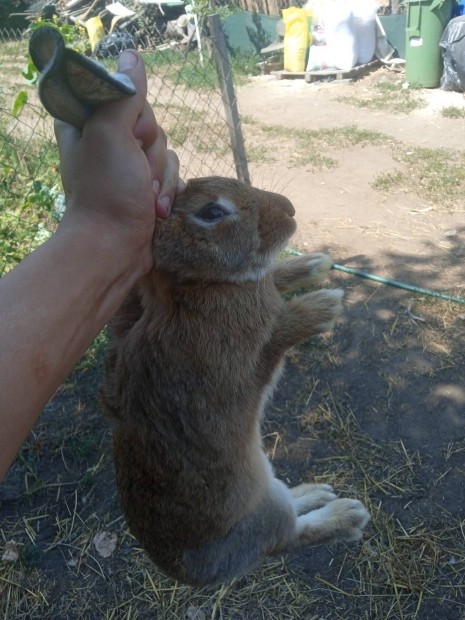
(396, 357)
(400, 387)
(376, 408)
(339, 207)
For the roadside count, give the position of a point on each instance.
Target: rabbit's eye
(212, 211)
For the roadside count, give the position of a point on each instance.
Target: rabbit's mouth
(275, 230)
(288, 207)
(263, 263)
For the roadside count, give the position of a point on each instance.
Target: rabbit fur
(196, 352)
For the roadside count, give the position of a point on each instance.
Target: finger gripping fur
(196, 353)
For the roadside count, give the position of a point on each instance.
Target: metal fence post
(223, 67)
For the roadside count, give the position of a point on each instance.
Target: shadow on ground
(376, 409)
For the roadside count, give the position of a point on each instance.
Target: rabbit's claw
(310, 496)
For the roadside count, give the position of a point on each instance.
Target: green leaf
(30, 73)
(19, 102)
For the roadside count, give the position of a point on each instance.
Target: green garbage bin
(426, 21)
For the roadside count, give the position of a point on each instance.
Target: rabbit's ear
(72, 86)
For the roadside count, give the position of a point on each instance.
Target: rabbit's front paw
(318, 266)
(323, 307)
(301, 272)
(310, 496)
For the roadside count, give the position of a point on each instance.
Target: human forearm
(117, 176)
(51, 307)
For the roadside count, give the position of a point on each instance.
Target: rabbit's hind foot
(310, 496)
(339, 520)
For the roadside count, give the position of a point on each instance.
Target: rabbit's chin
(258, 270)
(252, 275)
(225, 269)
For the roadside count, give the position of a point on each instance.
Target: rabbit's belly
(268, 390)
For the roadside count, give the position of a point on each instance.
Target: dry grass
(436, 175)
(386, 95)
(60, 494)
(303, 147)
(395, 560)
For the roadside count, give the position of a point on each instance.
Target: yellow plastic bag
(296, 39)
(95, 31)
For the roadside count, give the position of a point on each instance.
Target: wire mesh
(184, 92)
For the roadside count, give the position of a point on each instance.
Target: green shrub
(30, 196)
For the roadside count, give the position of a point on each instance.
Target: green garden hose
(407, 287)
(381, 280)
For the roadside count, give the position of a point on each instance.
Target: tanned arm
(117, 176)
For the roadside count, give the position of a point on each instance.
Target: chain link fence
(191, 92)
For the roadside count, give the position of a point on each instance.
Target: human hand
(118, 174)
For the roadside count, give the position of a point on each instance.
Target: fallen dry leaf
(72, 563)
(195, 613)
(105, 543)
(11, 553)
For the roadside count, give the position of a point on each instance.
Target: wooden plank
(336, 74)
(288, 75)
(269, 67)
(339, 74)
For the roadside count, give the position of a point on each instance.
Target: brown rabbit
(197, 351)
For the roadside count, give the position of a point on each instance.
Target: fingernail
(164, 203)
(156, 186)
(161, 212)
(128, 60)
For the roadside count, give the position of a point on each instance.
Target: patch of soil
(338, 208)
(416, 396)
(397, 358)
(293, 103)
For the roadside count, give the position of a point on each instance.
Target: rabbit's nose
(287, 206)
(282, 203)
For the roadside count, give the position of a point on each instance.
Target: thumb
(67, 138)
(125, 112)
(132, 65)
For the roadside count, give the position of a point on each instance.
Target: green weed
(94, 354)
(30, 556)
(184, 69)
(389, 180)
(311, 147)
(387, 97)
(437, 175)
(30, 196)
(258, 153)
(244, 65)
(453, 112)
(81, 446)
